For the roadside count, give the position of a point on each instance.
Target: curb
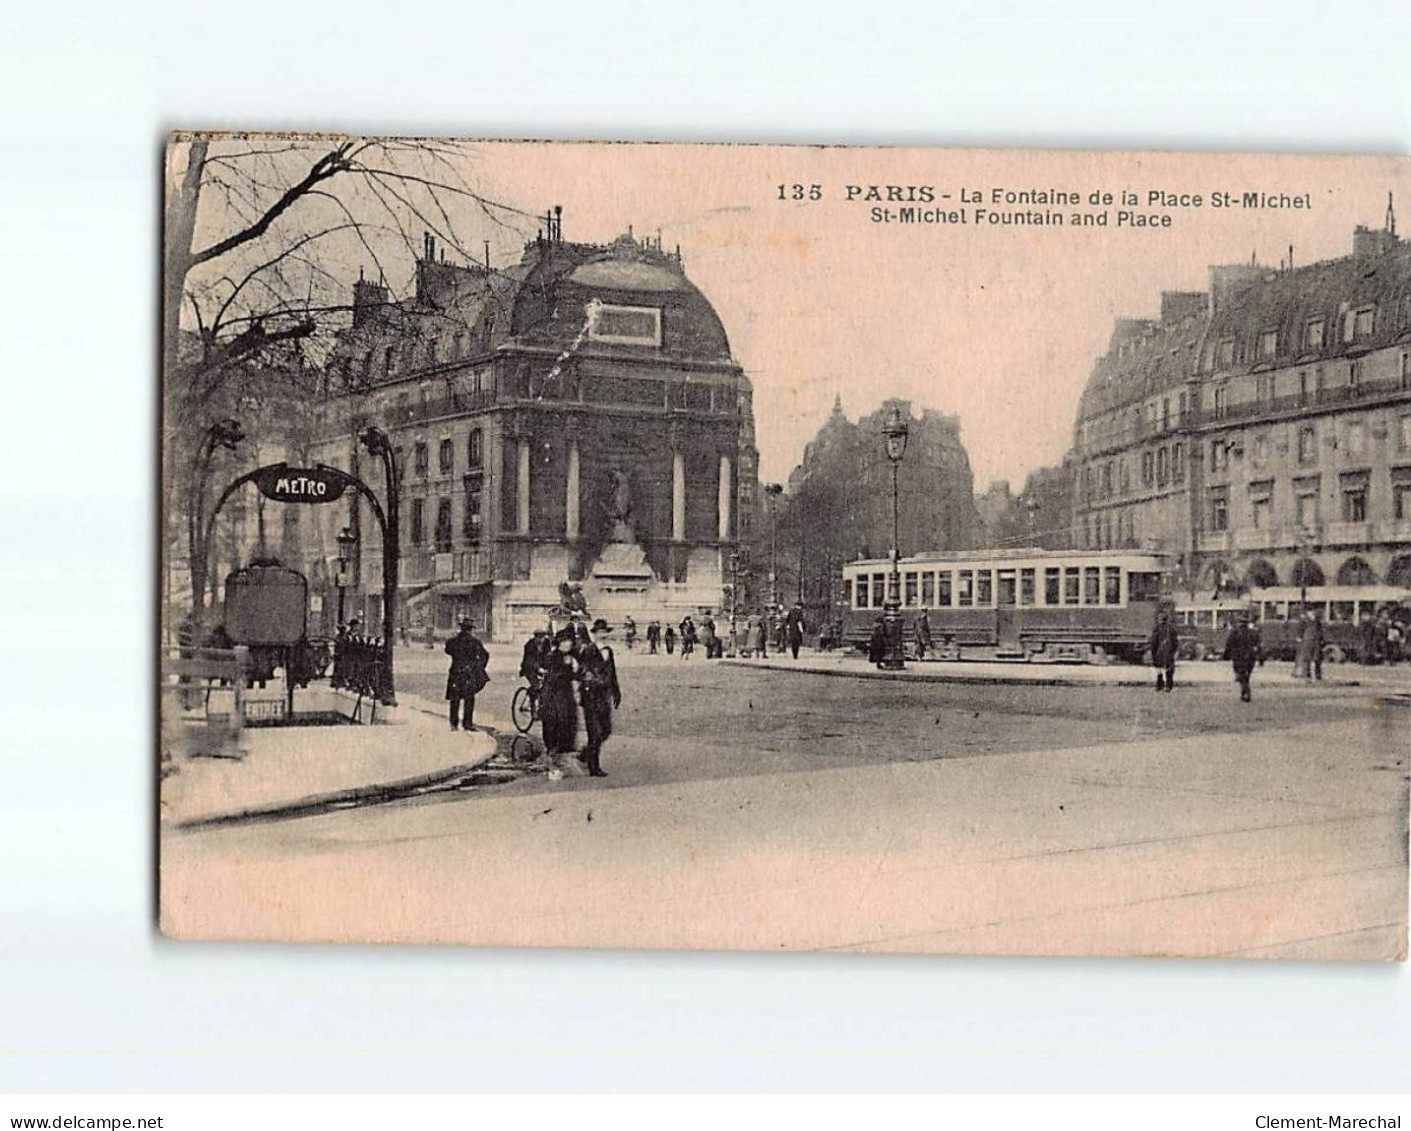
(973, 678)
(356, 795)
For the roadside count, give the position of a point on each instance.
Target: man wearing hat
(600, 694)
(467, 675)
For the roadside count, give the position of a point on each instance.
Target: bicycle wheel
(522, 710)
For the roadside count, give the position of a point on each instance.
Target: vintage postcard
(785, 548)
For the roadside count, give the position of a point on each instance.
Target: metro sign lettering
(285, 484)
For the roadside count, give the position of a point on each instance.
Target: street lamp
(773, 490)
(347, 542)
(895, 432)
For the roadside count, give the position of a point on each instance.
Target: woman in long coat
(558, 711)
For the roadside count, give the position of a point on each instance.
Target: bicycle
(524, 707)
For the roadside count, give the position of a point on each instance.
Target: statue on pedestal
(621, 511)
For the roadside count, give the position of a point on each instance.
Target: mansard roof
(1200, 336)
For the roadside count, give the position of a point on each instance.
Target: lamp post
(379, 444)
(347, 542)
(773, 490)
(225, 434)
(895, 433)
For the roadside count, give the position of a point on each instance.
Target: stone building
(839, 503)
(1041, 515)
(573, 420)
(1260, 431)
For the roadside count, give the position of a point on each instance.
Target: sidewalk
(303, 767)
(1204, 673)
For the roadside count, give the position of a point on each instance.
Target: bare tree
(260, 237)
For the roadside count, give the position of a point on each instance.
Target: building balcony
(1251, 538)
(1394, 531)
(1347, 534)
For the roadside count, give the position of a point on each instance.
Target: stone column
(522, 501)
(724, 498)
(678, 496)
(571, 501)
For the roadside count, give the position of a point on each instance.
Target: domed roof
(615, 274)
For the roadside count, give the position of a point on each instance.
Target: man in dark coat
(601, 695)
(877, 642)
(581, 637)
(1242, 646)
(536, 651)
(795, 629)
(467, 675)
(1164, 644)
(923, 634)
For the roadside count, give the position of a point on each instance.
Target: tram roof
(1139, 559)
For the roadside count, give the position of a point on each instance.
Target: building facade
(572, 424)
(839, 503)
(1260, 431)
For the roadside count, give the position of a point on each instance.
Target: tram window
(1026, 587)
(1342, 610)
(1092, 585)
(1143, 586)
(1051, 586)
(943, 595)
(849, 593)
(879, 590)
(984, 588)
(966, 589)
(1071, 582)
(928, 590)
(911, 590)
(1112, 585)
(1270, 611)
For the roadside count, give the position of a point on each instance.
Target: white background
(90, 999)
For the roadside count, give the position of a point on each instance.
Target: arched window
(1355, 571)
(1400, 572)
(1306, 572)
(1260, 574)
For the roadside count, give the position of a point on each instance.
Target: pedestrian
(601, 695)
(581, 637)
(653, 637)
(923, 634)
(1242, 647)
(1308, 663)
(877, 642)
(430, 635)
(1164, 644)
(467, 675)
(537, 650)
(688, 636)
(709, 638)
(558, 710)
(629, 631)
(795, 629)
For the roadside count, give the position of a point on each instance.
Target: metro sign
(285, 484)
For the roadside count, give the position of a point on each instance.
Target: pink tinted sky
(997, 324)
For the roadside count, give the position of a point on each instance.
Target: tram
(1039, 606)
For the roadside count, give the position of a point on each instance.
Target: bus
(1346, 611)
(1038, 606)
